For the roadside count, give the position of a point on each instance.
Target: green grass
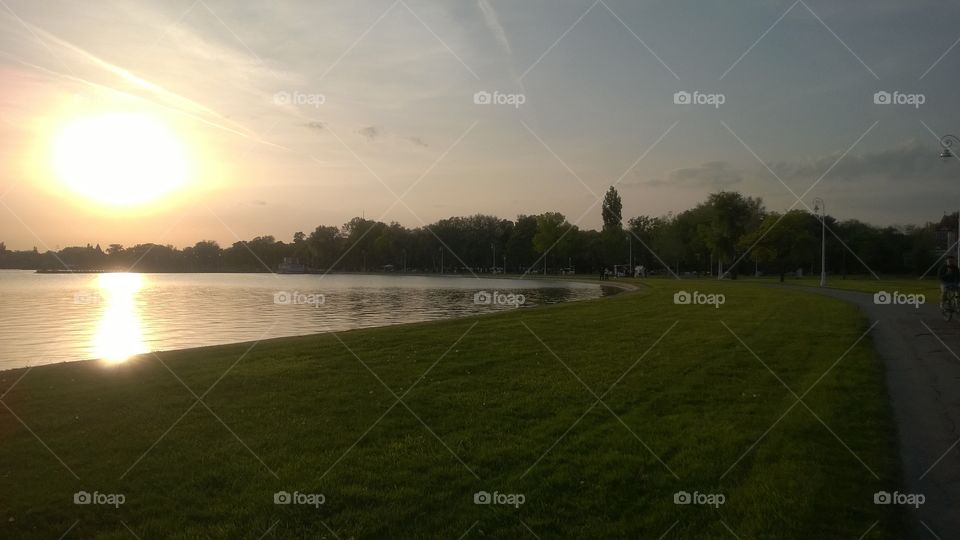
(928, 287)
(499, 400)
(868, 284)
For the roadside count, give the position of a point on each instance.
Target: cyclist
(949, 278)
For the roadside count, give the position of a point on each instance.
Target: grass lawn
(928, 287)
(486, 406)
(906, 285)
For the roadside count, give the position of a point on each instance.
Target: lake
(48, 318)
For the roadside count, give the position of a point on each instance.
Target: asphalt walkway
(920, 352)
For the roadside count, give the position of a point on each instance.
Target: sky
(290, 115)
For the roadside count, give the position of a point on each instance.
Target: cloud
(370, 132)
(910, 160)
(897, 166)
(417, 141)
(493, 23)
(85, 70)
(714, 175)
(496, 28)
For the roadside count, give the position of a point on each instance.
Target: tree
(359, 235)
(613, 240)
(204, 256)
(730, 216)
(552, 235)
(612, 211)
(323, 246)
(647, 230)
(723, 227)
(790, 241)
(923, 244)
(520, 252)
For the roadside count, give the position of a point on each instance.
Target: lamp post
(819, 206)
(946, 142)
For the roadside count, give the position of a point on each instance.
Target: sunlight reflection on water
(119, 335)
(48, 318)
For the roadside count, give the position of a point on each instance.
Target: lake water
(47, 318)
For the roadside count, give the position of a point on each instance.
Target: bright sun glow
(120, 159)
(118, 334)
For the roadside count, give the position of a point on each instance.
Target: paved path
(920, 351)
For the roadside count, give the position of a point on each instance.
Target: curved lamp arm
(949, 140)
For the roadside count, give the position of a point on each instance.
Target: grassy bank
(907, 285)
(504, 403)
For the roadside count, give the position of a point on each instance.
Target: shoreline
(496, 391)
(617, 289)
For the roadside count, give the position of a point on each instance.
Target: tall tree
(612, 210)
(612, 236)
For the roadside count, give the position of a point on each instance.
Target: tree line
(727, 233)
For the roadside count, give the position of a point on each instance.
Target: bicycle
(951, 305)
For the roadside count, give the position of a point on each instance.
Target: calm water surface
(56, 318)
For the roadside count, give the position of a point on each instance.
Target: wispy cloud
(370, 132)
(898, 167)
(902, 164)
(492, 21)
(123, 83)
(417, 141)
(714, 175)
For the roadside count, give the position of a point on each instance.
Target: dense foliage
(727, 231)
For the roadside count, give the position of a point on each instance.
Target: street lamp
(946, 142)
(819, 206)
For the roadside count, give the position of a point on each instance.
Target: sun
(120, 159)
